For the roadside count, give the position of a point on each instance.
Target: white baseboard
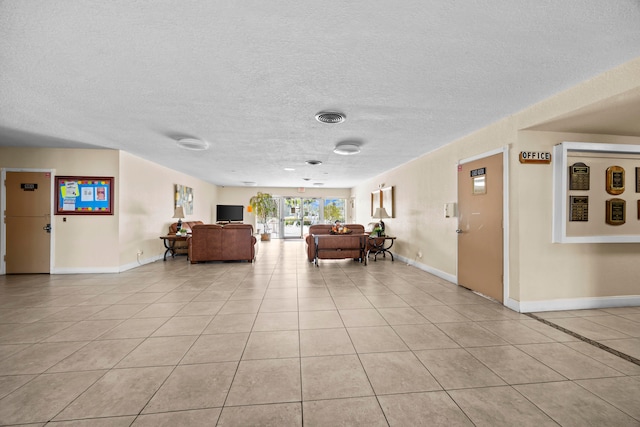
(512, 304)
(441, 274)
(578, 303)
(106, 270)
(85, 270)
(142, 262)
(543, 305)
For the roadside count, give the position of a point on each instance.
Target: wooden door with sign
(480, 246)
(28, 222)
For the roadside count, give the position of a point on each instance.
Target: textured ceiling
(248, 77)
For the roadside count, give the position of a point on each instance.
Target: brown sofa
(212, 242)
(181, 247)
(336, 246)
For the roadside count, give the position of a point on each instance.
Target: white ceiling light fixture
(193, 144)
(347, 148)
(331, 117)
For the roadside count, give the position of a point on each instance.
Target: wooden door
(480, 226)
(28, 222)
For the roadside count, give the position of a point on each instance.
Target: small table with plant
(377, 245)
(170, 243)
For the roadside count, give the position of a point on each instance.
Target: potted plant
(264, 207)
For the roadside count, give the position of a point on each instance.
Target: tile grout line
(594, 343)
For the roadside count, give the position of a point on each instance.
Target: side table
(377, 245)
(170, 243)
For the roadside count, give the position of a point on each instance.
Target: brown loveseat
(181, 247)
(212, 242)
(337, 246)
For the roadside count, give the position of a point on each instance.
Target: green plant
(265, 207)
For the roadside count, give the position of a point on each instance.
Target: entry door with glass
(291, 217)
(298, 214)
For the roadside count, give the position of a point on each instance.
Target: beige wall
(539, 273)
(143, 207)
(569, 270)
(86, 243)
(147, 205)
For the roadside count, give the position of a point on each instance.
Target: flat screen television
(229, 213)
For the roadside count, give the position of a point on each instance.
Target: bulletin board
(84, 195)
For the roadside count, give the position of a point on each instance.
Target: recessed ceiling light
(289, 169)
(318, 184)
(347, 148)
(330, 117)
(307, 179)
(313, 162)
(249, 183)
(192, 144)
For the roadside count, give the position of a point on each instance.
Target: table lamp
(379, 214)
(179, 213)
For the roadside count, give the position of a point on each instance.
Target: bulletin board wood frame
(84, 195)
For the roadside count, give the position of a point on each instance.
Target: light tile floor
(281, 342)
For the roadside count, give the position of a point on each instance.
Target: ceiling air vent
(330, 117)
(192, 144)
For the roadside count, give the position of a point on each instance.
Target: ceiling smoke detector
(347, 148)
(330, 117)
(192, 144)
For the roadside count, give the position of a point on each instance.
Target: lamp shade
(178, 213)
(381, 213)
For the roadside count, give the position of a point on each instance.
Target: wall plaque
(615, 180)
(28, 187)
(637, 180)
(615, 211)
(579, 208)
(534, 157)
(579, 176)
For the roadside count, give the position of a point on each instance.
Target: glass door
(311, 213)
(291, 217)
(297, 214)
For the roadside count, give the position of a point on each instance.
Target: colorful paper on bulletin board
(84, 195)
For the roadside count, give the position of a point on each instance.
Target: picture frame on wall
(376, 201)
(84, 195)
(388, 200)
(184, 198)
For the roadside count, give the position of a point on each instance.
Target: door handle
(459, 231)
(47, 228)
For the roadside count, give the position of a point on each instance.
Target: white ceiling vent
(192, 144)
(347, 148)
(330, 117)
